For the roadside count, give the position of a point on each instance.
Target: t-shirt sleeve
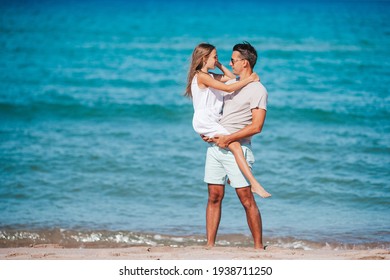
(260, 99)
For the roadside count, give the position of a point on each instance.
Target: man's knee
(216, 194)
(248, 203)
(246, 198)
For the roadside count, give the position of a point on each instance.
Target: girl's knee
(235, 146)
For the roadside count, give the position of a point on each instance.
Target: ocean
(97, 147)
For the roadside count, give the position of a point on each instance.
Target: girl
(207, 90)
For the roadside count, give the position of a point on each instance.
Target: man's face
(236, 62)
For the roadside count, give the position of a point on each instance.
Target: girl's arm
(227, 74)
(208, 81)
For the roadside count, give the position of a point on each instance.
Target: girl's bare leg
(235, 148)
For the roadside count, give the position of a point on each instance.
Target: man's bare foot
(261, 247)
(257, 188)
(209, 247)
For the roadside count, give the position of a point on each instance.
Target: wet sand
(57, 252)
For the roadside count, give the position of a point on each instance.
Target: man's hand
(221, 141)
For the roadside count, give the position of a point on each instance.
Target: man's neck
(245, 74)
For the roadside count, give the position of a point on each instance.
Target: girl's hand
(255, 77)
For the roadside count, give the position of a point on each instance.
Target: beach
(51, 260)
(99, 159)
(57, 252)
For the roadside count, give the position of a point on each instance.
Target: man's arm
(258, 118)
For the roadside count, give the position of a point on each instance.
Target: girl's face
(212, 60)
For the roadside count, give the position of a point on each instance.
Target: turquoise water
(97, 146)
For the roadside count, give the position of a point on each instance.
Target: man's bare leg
(235, 148)
(252, 215)
(213, 212)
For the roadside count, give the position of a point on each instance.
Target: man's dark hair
(247, 52)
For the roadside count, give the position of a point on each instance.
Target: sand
(56, 252)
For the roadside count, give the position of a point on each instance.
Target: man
(243, 116)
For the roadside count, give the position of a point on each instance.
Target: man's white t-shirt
(237, 108)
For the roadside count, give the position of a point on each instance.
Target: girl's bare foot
(257, 188)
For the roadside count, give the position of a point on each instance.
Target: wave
(100, 110)
(325, 116)
(171, 112)
(120, 239)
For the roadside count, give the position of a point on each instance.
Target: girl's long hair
(200, 52)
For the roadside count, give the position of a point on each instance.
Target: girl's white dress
(208, 104)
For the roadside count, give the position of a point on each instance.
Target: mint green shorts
(221, 164)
